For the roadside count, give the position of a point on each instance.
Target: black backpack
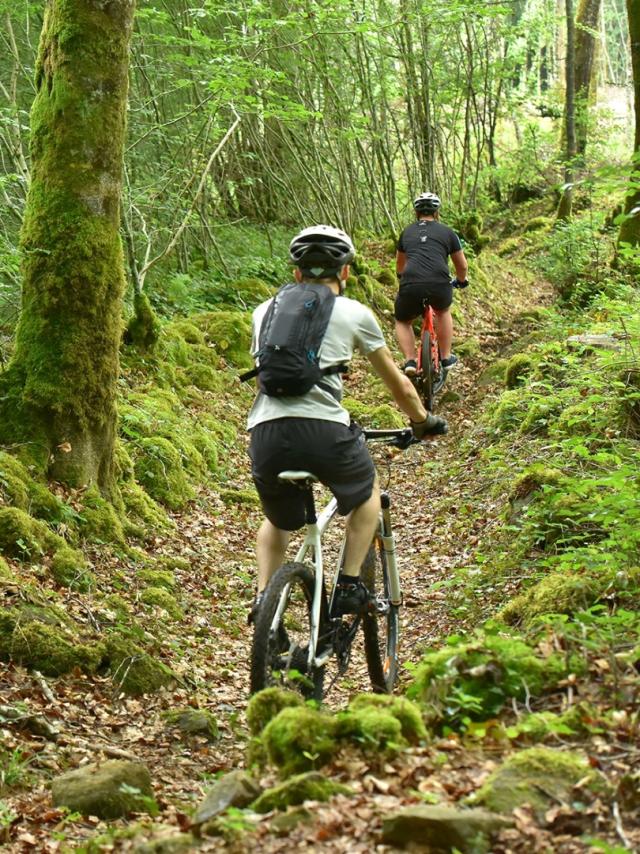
(290, 337)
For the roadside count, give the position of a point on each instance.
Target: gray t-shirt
(352, 326)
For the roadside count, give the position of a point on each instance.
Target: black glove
(432, 425)
(457, 284)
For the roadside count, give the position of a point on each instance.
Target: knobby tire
(381, 631)
(428, 378)
(270, 649)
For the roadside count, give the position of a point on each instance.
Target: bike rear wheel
(381, 625)
(428, 372)
(279, 653)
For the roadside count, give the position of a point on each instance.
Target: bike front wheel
(381, 625)
(282, 632)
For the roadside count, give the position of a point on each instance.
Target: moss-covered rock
(558, 593)
(299, 739)
(311, 786)
(69, 569)
(375, 729)
(266, 704)
(247, 497)
(108, 790)
(23, 537)
(578, 721)
(408, 715)
(159, 469)
(387, 278)
(541, 413)
(144, 516)
(29, 539)
(443, 829)
(6, 575)
(540, 777)
(468, 348)
(519, 367)
(133, 670)
(51, 649)
(539, 223)
(157, 578)
(187, 330)
(252, 291)
(494, 373)
(160, 597)
(374, 416)
(230, 332)
(475, 678)
(194, 722)
(235, 789)
(100, 521)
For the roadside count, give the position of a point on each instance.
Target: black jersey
(427, 245)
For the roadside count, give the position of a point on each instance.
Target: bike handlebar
(402, 438)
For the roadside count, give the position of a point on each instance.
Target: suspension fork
(389, 549)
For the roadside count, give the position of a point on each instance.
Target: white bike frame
(313, 541)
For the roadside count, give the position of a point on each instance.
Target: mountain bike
(430, 375)
(295, 634)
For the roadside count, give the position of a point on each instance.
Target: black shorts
(410, 299)
(335, 454)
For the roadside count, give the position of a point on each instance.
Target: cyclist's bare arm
(401, 261)
(460, 263)
(398, 384)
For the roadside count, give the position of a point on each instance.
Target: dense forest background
(155, 159)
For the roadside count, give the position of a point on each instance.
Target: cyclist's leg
(408, 306)
(271, 546)
(361, 526)
(443, 324)
(440, 299)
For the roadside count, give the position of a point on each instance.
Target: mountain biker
(313, 431)
(422, 265)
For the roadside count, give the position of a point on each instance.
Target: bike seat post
(310, 505)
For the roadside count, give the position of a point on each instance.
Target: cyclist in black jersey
(422, 265)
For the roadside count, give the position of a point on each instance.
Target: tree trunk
(58, 397)
(630, 228)
(564, 208)
(587, 23)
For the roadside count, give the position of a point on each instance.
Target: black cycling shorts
(410, 299)
(335, 454)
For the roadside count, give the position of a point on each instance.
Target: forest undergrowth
(124, 627)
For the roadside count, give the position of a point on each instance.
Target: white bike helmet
(321, 250)
(426, 203)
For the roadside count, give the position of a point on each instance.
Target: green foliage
(473, 679)
(576, 261)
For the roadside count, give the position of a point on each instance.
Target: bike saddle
(300, 477)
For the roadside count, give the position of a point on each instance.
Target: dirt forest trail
(209, 648)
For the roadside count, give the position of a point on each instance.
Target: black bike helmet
(321, 250)
(426, 203)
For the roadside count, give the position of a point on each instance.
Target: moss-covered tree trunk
(58, 396)
(564, 208)
(630, 228)
(587, 24)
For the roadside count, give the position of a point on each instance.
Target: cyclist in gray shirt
(314, 432)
